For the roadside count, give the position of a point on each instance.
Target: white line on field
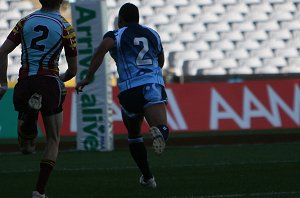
(263, 194)
(161, 166)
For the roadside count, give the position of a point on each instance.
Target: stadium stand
(207, 37)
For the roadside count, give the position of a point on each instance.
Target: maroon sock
(46, 167)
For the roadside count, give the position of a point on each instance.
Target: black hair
(129, 13)
(50, 3)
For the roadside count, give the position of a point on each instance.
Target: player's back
(41, 35)
(136, 54)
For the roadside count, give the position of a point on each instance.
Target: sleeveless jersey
(136, 53)
(42, 36)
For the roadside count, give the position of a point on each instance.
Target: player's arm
(97, 59)
(72, 69)
(7, 47)
(70, 47)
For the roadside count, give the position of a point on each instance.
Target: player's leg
(157, 120)
(53, 92)
(136, 143)
(156, 115)
(52, 125)
(27, 105)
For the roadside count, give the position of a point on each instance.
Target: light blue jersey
(136, 53)
(42, 36)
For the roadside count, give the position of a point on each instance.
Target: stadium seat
(213, 54)
(218, 27)
(238, 53)
(233, 17)
(291, 25)
(165, 37)
(287, 6)
(287, 52)
(21, 5)
(248, 44)
(270, 25)
(223, 45)
(267, 69)
(275, 61)
(153, 3)
(282, 34)
(263, 7)
(228, 2)
(196, 27)
(240, 70)
(214, 71)
(262, 52)
(290, 69)
(207, 18)
(251, 62)
(10, 15)
(281, 16)
(3, 24)
(111, 3)
(226, 63)
(171, 28)
(174, 46)
(215, 8)
(190, 9)
(185, 37)
(273, 43)
(233, 35)
(239, 7)
(182, 18)
(4, 6)
(146, 10)
(201, 2)
(191, 67)
(257, 16)
(157, 19)
(208, 36)
(177, 2)
(259, 35)
(199, 45)
(168, 9)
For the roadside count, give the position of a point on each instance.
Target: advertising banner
(202, 107)
(94, 122)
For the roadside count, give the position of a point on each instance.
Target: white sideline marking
(241, 195)
(162, 166)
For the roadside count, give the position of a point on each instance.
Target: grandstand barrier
(199, 107)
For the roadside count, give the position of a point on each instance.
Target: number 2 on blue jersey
(140, 58)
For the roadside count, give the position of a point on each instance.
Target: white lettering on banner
(175, 123)
(276, 101)
(180, 123)
(260, 111)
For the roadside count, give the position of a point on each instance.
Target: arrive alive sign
(94, 113)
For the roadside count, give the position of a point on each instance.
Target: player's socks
(46, 167)
(139, 153)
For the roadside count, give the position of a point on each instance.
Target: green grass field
(223, 171)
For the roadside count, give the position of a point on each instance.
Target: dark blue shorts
(134, 100)
(52, 90)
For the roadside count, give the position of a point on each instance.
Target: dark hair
(50, 3)
(129, 13)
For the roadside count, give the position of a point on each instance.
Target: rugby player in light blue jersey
(138, 53)
(42, 34)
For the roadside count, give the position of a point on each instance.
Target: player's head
(128, 13)
(51, 4)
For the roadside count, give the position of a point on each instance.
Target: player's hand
(2, 92)
(81, 84)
